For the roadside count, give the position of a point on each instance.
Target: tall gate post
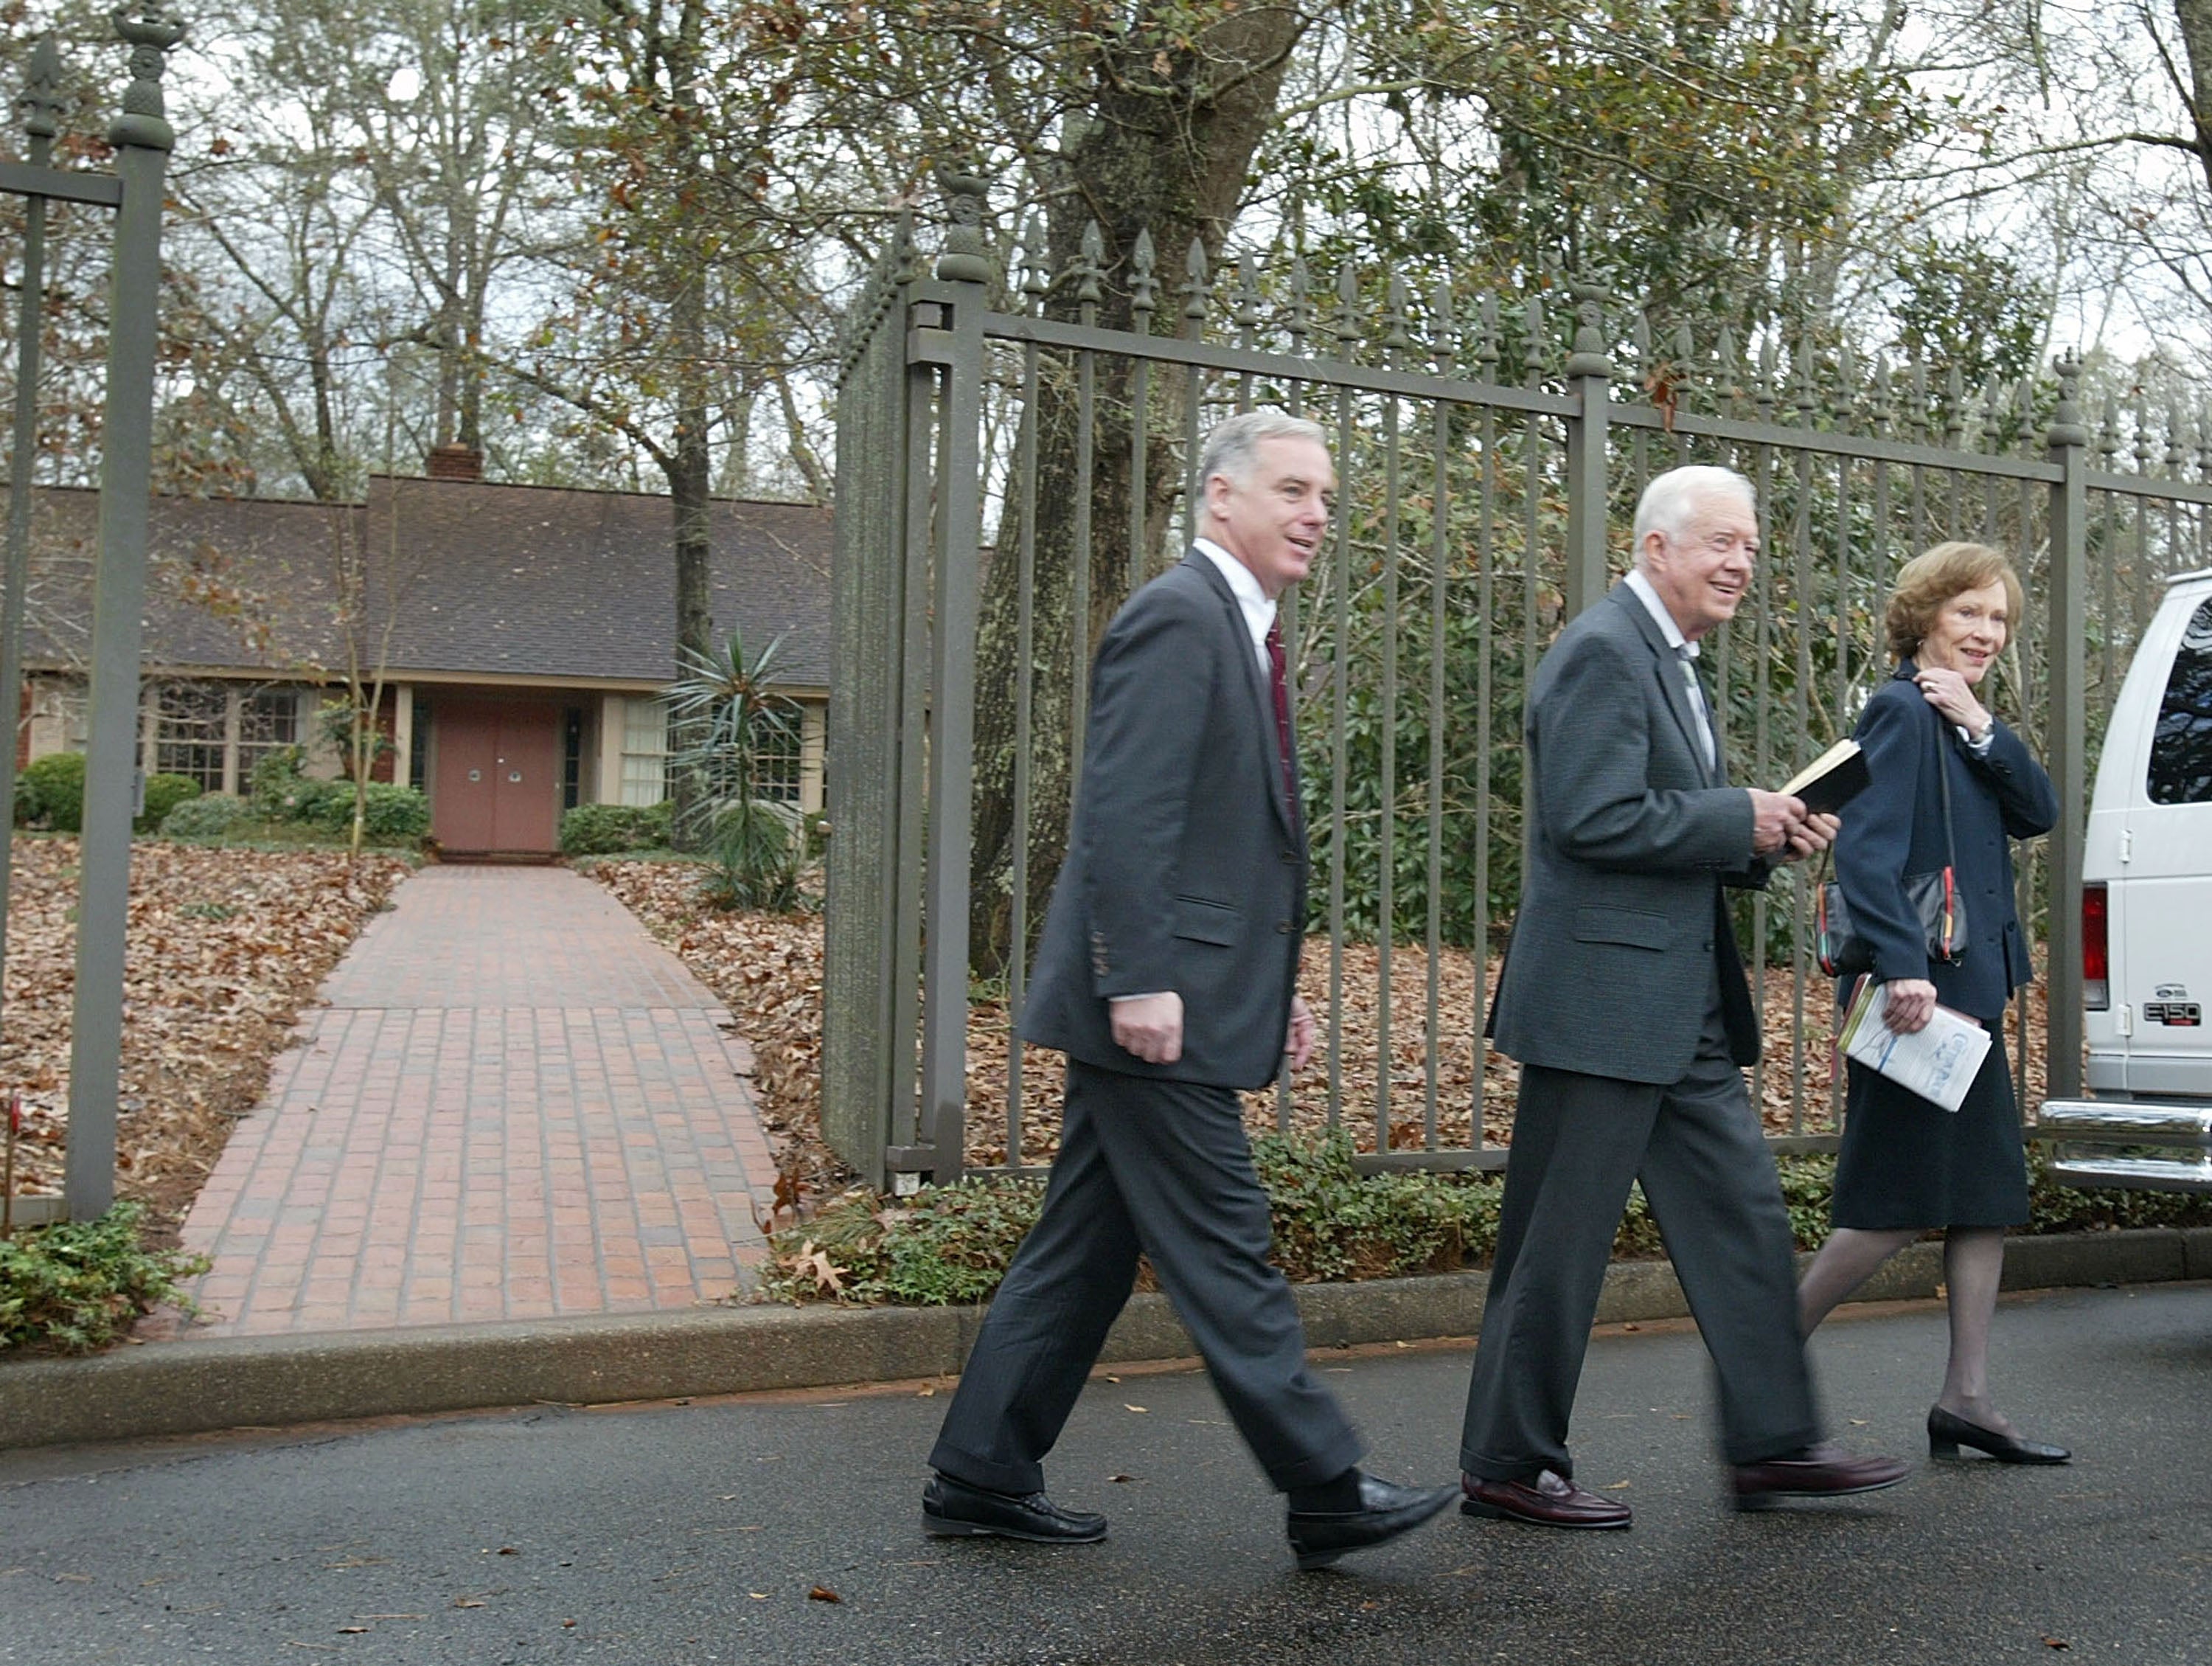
(143, 139)
(866, 1067)
(2067, 444)
(964, 272)
(41, 105)
(1589, 376)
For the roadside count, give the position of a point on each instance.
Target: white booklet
(1939, 1063)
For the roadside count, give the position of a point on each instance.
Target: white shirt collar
(1259, 612)
(1657, 609)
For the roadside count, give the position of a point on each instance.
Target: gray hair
(1669, 501)
(1233, 448)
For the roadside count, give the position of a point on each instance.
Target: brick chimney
(454, 462)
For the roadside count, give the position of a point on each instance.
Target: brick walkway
(514, 1105)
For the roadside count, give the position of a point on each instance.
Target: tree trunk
(691, 483)
(1171, 138)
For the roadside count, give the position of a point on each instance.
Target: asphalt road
(699, 1533)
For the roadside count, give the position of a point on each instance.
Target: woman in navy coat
(1907, 1165)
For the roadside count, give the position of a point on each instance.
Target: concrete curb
(194, 1387)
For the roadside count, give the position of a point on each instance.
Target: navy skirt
(1908, 1163)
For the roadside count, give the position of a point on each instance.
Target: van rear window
(2181, 747)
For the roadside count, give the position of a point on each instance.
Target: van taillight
(2096, 975)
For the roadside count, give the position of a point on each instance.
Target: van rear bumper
(2153, 1145)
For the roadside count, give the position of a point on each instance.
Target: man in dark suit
(1625, 1001)
(1167, 974)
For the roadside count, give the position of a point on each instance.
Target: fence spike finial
(1954, 409)
(40, 103)
(1879, 406)
(2205, 444)
(1090, 267)
(1762, 387)
(1195, 290)
(1396, 339)
(1486, 343)
(2173, 452)
(1301, 317)
(1447, 353)
(1144, 288)
(1037, 271)
(965, 257)
(1248, 296)
(2141, 450)
(2108, 433)
(1347, 322)
(1731, 370)
(1532, 345)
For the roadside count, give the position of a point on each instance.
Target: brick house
(530, 629)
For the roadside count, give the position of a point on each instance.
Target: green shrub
(390, 814)
(280, 793)
(164, 793)
(80, 1285)
(600, 829)
(394, 814)
(210, 815)
(50, 793)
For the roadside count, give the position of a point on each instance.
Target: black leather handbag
(1934, 896)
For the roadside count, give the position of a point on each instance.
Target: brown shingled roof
(494, 580)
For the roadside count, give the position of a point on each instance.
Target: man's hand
(1151, 1026)
(1953, 696)
(1775, 819)
(1907, 1004)
(1813, 834)
(1303, 1033)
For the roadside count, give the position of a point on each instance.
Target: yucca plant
(731, 718)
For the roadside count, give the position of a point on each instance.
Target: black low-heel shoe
(1948, 1433)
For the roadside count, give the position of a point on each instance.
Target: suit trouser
(1700, 1154)
(1164, 1168)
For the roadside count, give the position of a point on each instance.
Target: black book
(1832, 779)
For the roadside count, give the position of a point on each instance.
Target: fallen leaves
(767, 969)
(225, 948)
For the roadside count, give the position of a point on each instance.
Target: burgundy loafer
(1819, 1472)
(1544, 1498)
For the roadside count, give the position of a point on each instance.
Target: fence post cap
(964, 258)
(2066, 427)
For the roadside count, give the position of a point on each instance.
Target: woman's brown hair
(1926, 582)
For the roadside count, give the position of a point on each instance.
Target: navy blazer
(1895, 827)
(1186, 867)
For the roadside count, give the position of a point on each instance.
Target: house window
(778, 753)
(645, 751)
(214, 733)
(268, 718)
(190, 725)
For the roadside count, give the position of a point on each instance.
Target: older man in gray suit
(1167, 973)
(1625, 1001)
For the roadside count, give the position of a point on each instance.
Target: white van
(2147, 922)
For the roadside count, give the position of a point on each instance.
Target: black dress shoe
(1817, 1472)
(1547, 1498)
(1319, 1536)
(1946, 1434)
(953, 1509)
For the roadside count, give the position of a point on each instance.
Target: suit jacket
(1895, 827)
(1622, 924)
(1186, 869)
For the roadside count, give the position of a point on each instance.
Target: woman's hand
(1908, 1004)
(1953, 696)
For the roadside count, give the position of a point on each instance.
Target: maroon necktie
(1280, 685)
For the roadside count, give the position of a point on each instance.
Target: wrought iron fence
(1009, 470)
